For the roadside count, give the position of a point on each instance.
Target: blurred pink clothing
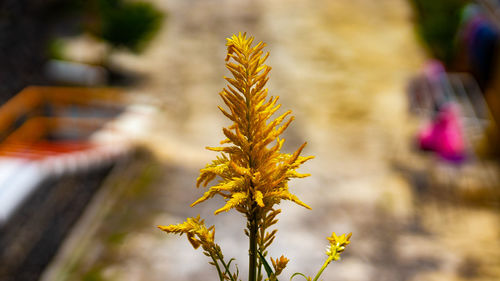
(444, 135)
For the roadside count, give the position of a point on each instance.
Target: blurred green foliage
(55, 49)
(437, 24)
(94, 274)
(127, 24)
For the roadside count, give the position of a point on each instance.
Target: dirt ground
(342, 68)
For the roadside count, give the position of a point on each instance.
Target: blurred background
(106, 107)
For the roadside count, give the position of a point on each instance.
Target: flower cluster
(337, 245)
(196, 231)
(199, 235)
(279, 264)
(252, 174)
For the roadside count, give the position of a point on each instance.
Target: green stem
(252, 252)
(221, 277)
(327, 262)
(260, 246)
(225, 266)
(259, 270)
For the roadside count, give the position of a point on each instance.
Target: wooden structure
(50, 166)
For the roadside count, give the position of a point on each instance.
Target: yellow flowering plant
(252, 171)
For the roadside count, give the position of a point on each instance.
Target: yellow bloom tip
(165, 228)
(220, 211)
(337, 245)
(279, 264)
(196, 202)
(302, 204)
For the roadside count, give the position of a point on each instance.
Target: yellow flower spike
(251, 171)
(279, 264)
(333, 251)
(261, 171)
(337, 245)
(195, 230)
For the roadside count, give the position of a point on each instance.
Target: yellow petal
(258, 198)
(236, 199)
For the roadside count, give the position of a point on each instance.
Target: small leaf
(229, 263)
(298, 273)
(268, 268)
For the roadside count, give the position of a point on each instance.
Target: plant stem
(259, 270)
(327, 262)
(225, 266)
(221, 277)
(252, 252)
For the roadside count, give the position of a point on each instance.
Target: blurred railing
(51, 163)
